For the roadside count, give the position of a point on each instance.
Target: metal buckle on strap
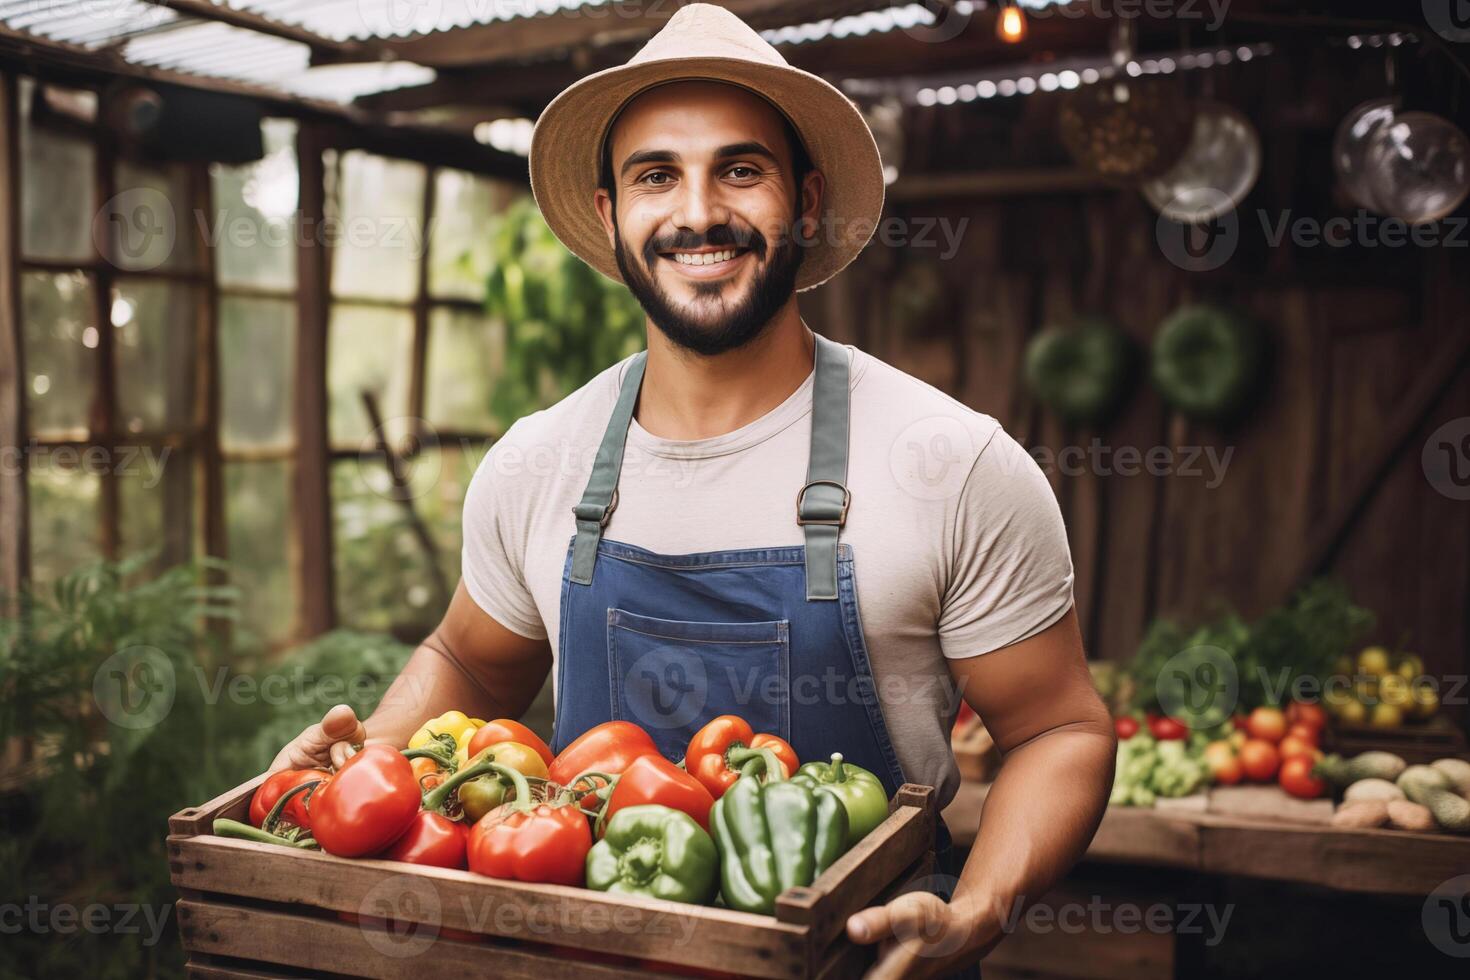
(602, 518)
(839, 520)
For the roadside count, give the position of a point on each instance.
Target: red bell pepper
(529, 841)
(506, 730)
(368, 804)
(714, 750)
(275, 785)
(654, 779)
(432, 839)
(607, 748)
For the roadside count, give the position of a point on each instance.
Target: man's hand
(920, 936)
(328, 744)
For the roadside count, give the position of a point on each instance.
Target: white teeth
(703, 258)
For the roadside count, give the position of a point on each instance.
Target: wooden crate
(256, 910)
(1417, 743)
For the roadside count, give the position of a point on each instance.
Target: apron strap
(821, 505)
(601, 496)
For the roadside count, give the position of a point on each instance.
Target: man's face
(705, 211)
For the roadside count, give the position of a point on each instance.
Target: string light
(1010, 26)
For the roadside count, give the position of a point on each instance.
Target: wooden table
(1384, 862)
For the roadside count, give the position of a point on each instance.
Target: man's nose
(701, 205)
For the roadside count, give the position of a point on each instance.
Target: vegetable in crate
(507, 730)
(1367, 765)
(773, 835)
(654, 779)
(860, 792)
(655, 851)
(530, 841)
(270, 791)
(610, 748)
(454, 724)
(710, 757)
(368, 804)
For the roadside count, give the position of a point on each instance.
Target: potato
(1361, 814)
(1372, 789)
(1410, 816)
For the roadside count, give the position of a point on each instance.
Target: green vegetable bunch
(1148, 768)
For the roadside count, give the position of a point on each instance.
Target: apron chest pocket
(673, 676)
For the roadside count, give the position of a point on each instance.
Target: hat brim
(567, 143)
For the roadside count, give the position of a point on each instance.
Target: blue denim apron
(670, 642)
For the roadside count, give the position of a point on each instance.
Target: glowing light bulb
(1011, 26)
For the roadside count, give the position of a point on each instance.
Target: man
(751, 519)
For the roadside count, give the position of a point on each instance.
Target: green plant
(564, 321)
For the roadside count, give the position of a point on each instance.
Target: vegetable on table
(1410, 816)
(1360, 815)
(860, 792)
(1458, 771)
(1367, 765)
(1125, 727)
(773, 835)
(717, 752)
(1147, 768)
(653, 779)
(525, 840)
(1430, 787)
(655, 851)
(1372, 789)
(1297, 779)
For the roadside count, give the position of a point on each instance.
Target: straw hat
(703, 41)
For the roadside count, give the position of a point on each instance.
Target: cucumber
(1432, 788)
(1421, 782)
(1369, 765)
(1458, 770)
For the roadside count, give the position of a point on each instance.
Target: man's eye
(749, 171)
(649, 177)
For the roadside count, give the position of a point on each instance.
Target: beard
(739, 320)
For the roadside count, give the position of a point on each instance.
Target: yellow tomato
(1237, 739)
(1386, 716)
(1410, 666)
(1373, 660)
(1352, 712)
(1394, 690)
(513, 755)
(1426, 700)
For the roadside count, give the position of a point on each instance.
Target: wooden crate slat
(200, 819)
(720, 939)
(269, 936)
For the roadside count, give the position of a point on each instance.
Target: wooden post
(14, 516)
(315, 587)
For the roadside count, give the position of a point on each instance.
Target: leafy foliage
(564, 321)
(87, 818)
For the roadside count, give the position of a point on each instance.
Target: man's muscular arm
(1037, 700)
(470, 662)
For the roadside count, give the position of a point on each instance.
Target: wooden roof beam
(251, 21)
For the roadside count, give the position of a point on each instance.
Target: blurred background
(272, 282)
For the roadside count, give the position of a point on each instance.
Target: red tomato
(542, 843)
(1259, 760)
(433, 840)
(610, 747)
(1311, 714)
(270, 791)
(1166, 729)
(506, 730)
(1125, 727)
(368, 804)
(1228, 772)
(1297, 778)
(1292, 745)
(1268, 724)
(654, 779)
(1304, 732)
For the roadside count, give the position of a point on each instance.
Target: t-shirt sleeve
(1011, 568)
(493, 558)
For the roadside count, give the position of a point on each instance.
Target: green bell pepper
(861, 793)
(773, 835)
(655, 851)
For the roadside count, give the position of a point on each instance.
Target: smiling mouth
(705, 262)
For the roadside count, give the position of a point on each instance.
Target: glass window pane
(150, 219)
(369, 348)
(253, 214)
(381, 570)
(258, 525)
(464, 361)
(257, 340)
(64, 520)
(379, 234)
(58, 181)
(438, 479)
(61, 338)
(155, 325)
(156, 494)
(460, 243)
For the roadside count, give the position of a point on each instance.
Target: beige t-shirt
(958, 544)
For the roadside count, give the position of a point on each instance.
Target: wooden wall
(1360, 336)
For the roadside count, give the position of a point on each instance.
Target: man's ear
(602, 200)
(809, 220)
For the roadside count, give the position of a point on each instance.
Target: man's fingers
(341, 725)
(870, 925)
(340, 752)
